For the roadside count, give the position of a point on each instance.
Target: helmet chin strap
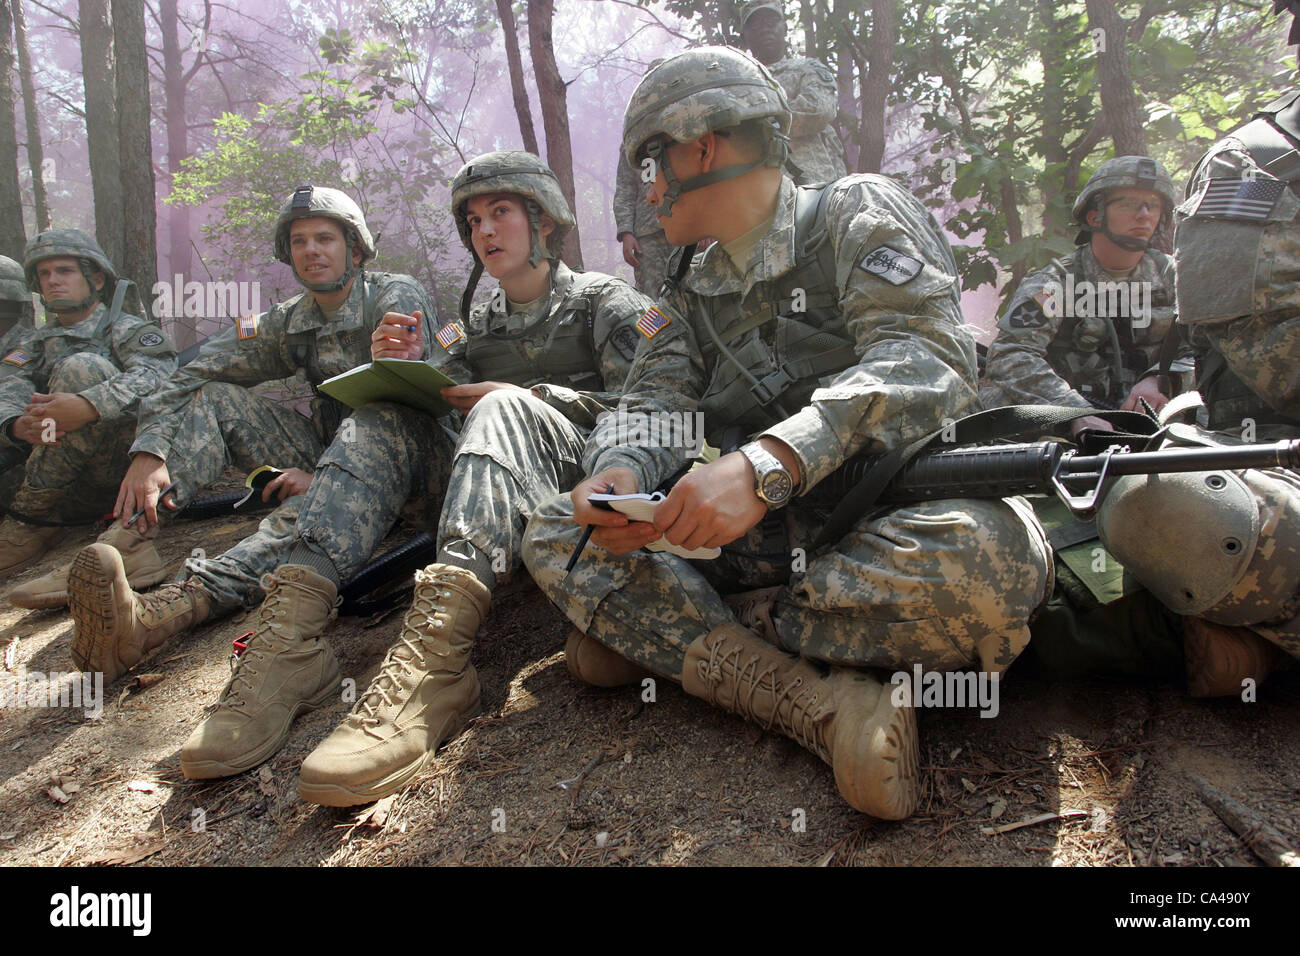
(656, 151)
(64, 306)
(351, 273)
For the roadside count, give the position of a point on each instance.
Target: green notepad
(403, 381)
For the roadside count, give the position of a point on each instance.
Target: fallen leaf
(970, 787)
(144, 786)
(145, 680)
(999, 807)
(11, 654)
(602, 837)
(953, 755)
(123, 856)
(57, 795)
(377, 815)
(71, 788)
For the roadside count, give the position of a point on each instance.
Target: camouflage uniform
(809, 87)
(16, 327)
(513, 450)
(112, 361)
(632, 214)
(958, 594)
(205, 417)
(1236, 246)
(1074, 334)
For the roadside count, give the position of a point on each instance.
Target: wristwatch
(772, 483)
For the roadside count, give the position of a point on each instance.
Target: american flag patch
(17, 357)
(1240, 198)
(246, 326)
(651, 321)
(449, 334)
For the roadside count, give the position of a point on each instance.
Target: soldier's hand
(398, 336)
(615, 532)
(34, 430)
(1149, 389)
(68, 410)
(293, 481)
(466, 397)
(631, 250)
(713, 505)
(145, 480)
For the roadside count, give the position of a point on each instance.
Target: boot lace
(403, 658)
(801, 718)
(271, 617)
(157, 607)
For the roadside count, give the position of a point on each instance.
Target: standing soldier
(810, 92)
(205, 416)
(813, 351)
(1224, 549)
(644, 247)
(1087, 330)
(74, 395)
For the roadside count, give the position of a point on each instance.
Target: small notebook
(404, 381)
(641, 507)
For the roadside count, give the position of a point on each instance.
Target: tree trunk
(12, 235)
(1124, 116)
(553, 95)
(850, 63)
(506, 14)
(35, 153)
(98, 74)
(875, 86)
(139, 199)
(1051, 53)
(178, 215)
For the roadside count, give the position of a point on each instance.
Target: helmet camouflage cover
(512, 171)
(749, 9)
(1140, 172)
(310, 201)
(13, 282)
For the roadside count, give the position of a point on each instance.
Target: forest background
(174, 129)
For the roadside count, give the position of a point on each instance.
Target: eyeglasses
(1134, 206)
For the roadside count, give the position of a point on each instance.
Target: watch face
(776, 486)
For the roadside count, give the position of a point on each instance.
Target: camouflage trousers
(77, 480)
(388, 462)
(946, 584)
(226, 424)
(653, 267)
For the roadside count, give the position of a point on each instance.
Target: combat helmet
(749, 9)
(510, 171)
(15, 297)
(696, 92)
(1141, 172)
(74, 244)
(310, 201)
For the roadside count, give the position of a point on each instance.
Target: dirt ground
(558, 773)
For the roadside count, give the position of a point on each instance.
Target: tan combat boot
(754, 610)
(113, 627)
(425, 692)
(593, 663)
(1219, 658)
(140, 559)
(22, 543)
(286, 668)
(846, 717)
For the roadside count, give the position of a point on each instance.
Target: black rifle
(996, 471)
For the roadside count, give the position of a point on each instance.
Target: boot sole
(91, 600)
(57, 599)
(215, 769)
(888, 783)
(337, 795)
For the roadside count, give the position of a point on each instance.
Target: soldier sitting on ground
(73, 396)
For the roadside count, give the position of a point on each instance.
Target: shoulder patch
(624, 339)
(246, 326)
(150, 339)
(17, 357)
(1028, 314)
(1240, 198)
(891, 265)
(652, 322)
(449, 334)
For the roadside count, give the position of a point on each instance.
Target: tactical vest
(1272, 138)
(1098, 356)
(766, 357)
(564, 340)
